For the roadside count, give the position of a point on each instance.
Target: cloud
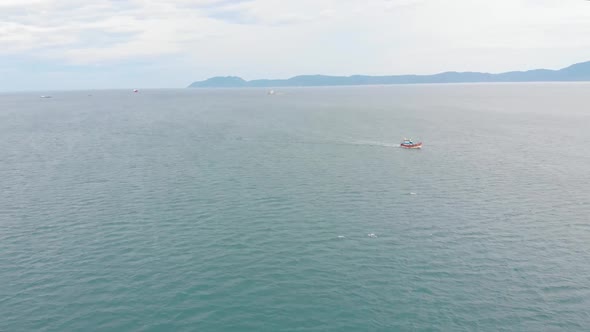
(129, 29)
(256, 38)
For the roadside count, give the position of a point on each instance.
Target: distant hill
(577, 72)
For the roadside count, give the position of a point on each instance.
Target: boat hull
(411, 146)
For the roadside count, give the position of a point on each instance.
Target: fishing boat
(409, 144)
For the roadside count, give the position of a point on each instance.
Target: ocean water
(233, 210)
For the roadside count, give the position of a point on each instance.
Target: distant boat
(409, 144)
(135, 90)
(271, 92)
(45, 97)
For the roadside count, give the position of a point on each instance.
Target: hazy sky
(66, 44)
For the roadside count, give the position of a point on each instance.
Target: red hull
(411, 146)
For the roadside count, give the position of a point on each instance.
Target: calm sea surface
(234, 210)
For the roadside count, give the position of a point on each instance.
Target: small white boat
(409, 144)
(44, 96)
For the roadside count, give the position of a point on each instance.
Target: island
(577, 72)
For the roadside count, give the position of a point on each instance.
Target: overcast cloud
(64, 44)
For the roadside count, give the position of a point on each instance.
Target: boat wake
(375, 143)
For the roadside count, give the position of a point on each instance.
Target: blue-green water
(232, 210)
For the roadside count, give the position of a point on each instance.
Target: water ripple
(184, 210)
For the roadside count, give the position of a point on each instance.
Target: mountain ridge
(576, 72)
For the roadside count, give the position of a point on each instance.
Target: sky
(88, 44)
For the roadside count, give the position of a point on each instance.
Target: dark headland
(573, 73)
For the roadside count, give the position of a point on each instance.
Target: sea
(239, 210)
